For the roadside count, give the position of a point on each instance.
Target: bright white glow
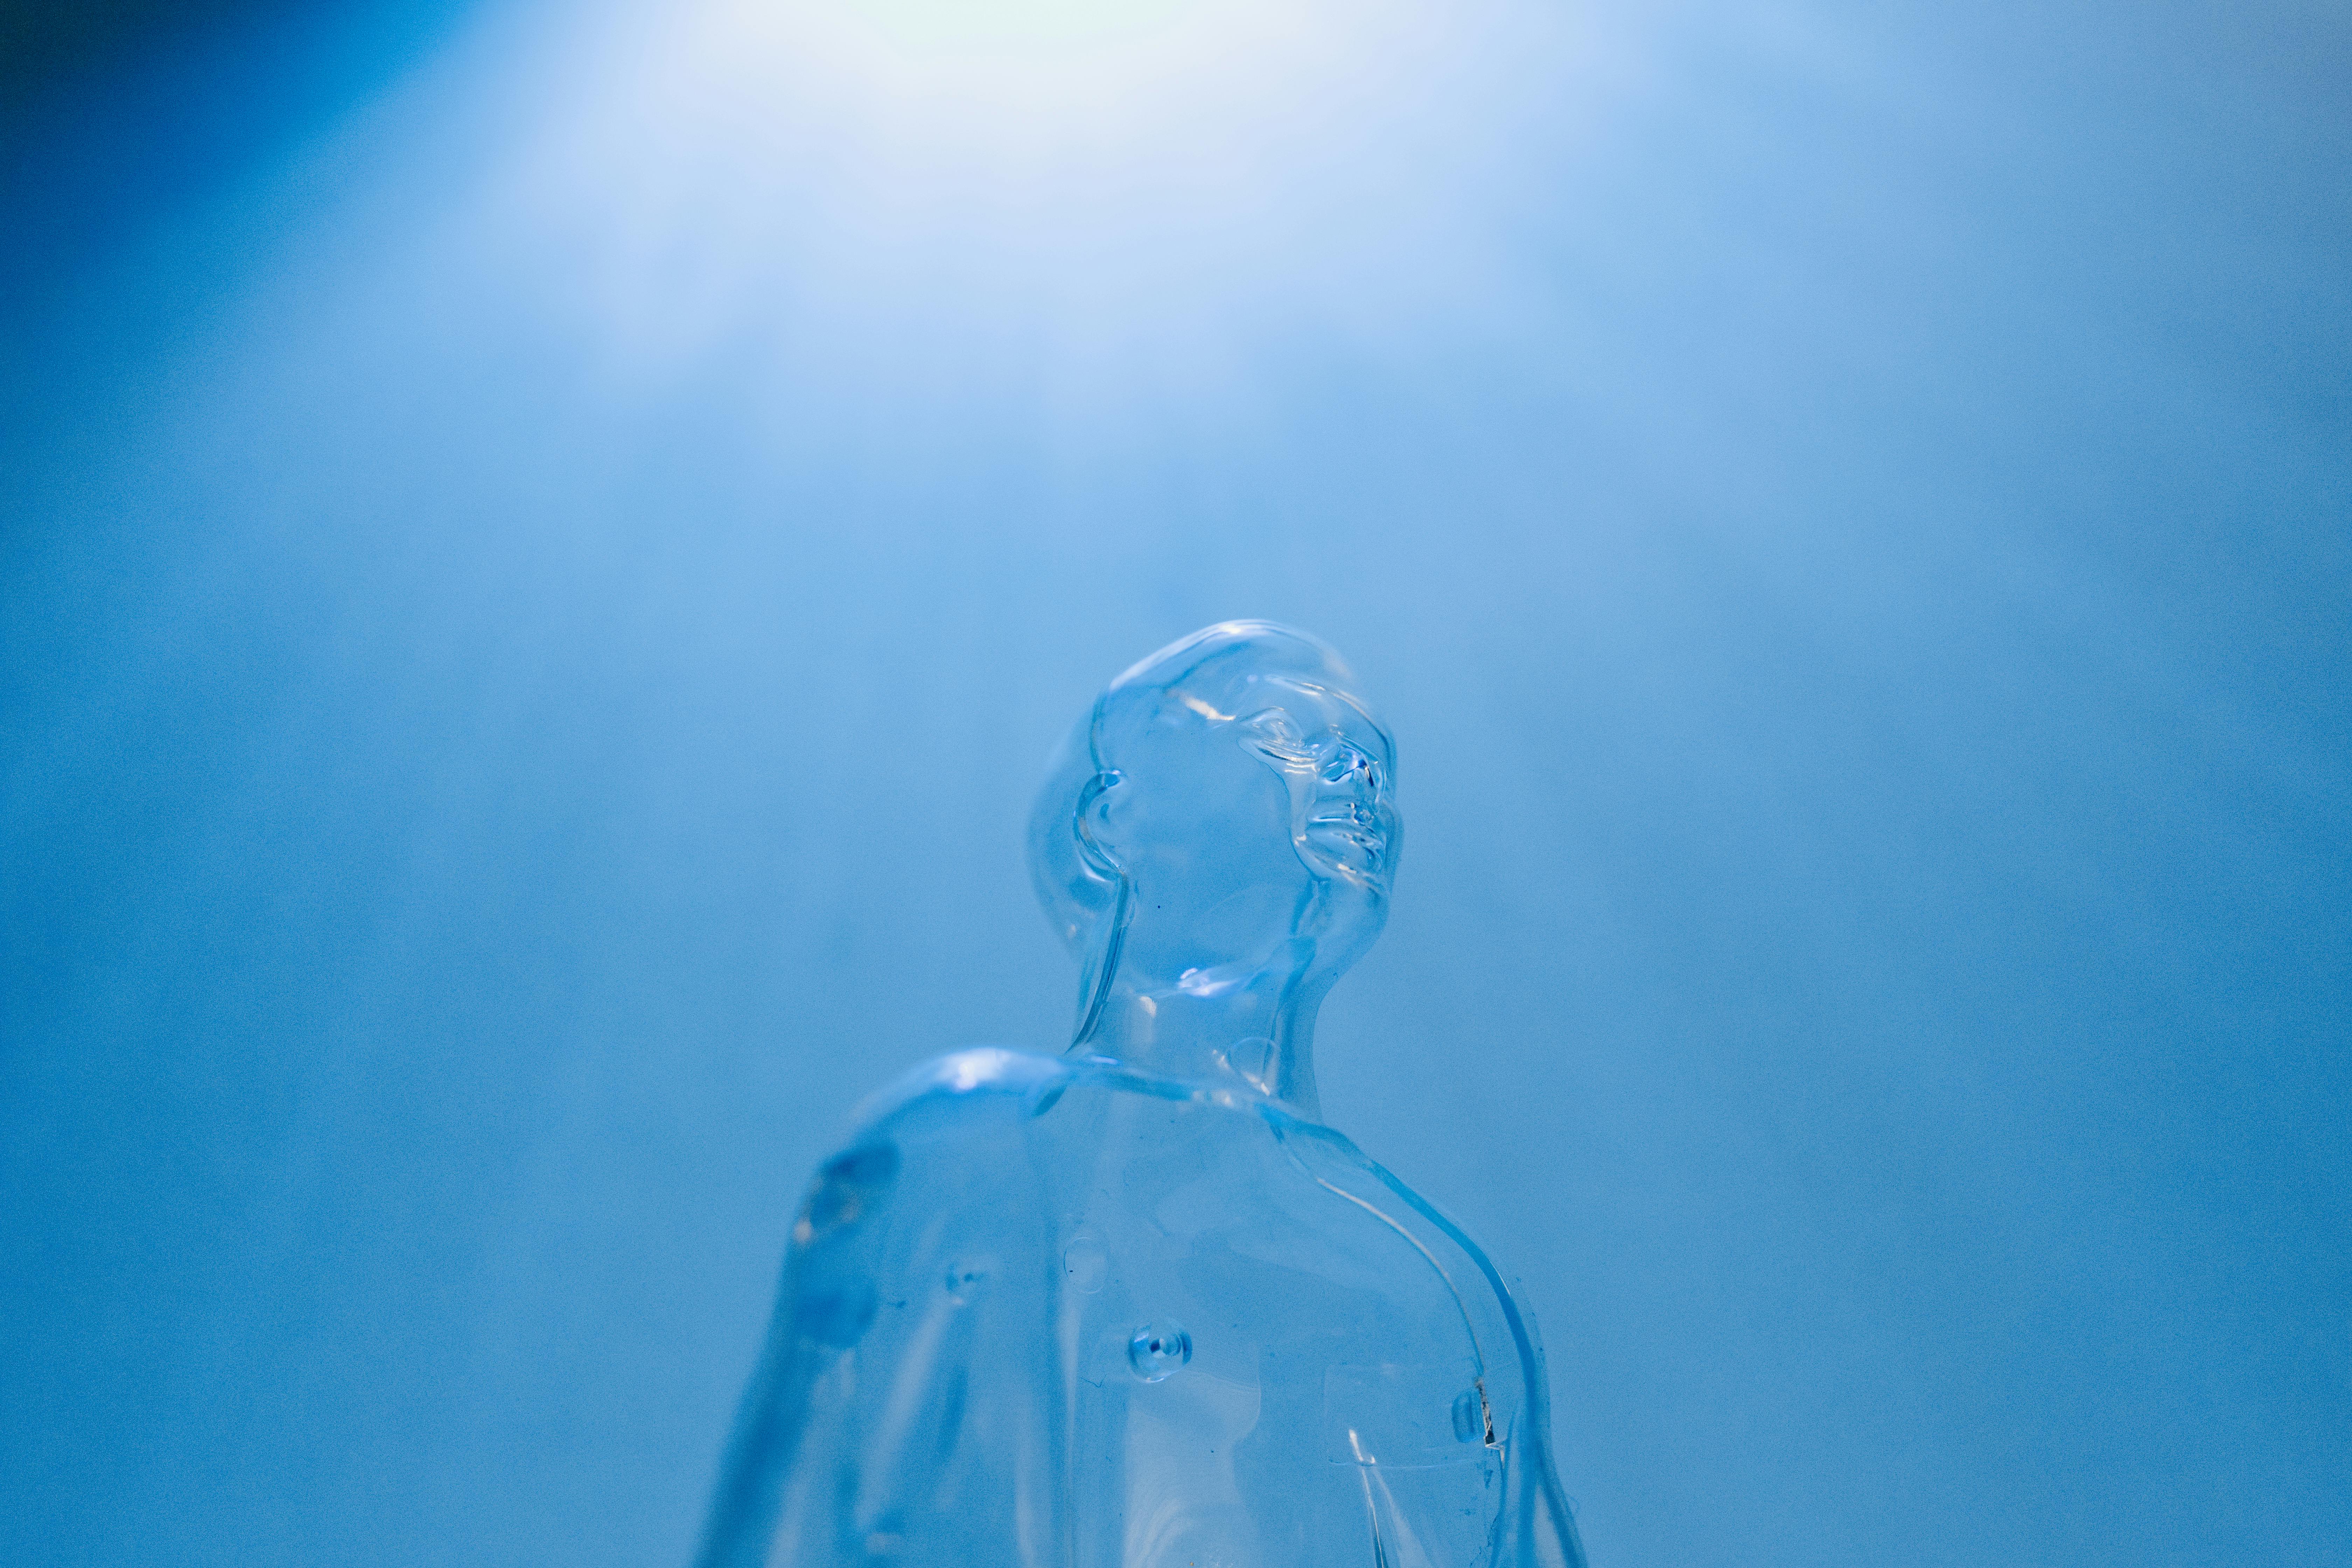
(905, 187)
(958, 25)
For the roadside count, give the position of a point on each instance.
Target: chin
(1356, 871)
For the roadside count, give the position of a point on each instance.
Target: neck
(1254, 1035)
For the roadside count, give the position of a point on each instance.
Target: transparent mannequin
(1135, 1307)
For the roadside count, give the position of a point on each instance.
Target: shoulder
(931, 1171)
(985, 1086)
(990, 1090)
(946, 1122)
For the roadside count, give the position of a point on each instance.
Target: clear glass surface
(1134, 1306)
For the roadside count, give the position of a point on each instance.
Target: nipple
(1159, 1350)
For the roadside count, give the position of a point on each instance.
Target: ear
(1095, 824)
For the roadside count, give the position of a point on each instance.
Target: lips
(1349, 827)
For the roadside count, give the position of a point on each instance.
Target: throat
(1252, 1034)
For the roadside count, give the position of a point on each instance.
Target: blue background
(545, 549)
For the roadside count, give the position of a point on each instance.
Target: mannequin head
(1216, 847)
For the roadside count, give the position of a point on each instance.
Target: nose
(1347, 766)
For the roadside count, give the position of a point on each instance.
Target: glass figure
(1134, 1306)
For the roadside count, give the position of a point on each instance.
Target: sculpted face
(1335, 764)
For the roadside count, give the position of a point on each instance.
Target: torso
(1120, 1322)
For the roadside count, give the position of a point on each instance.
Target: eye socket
(1272, 725)
(1271, 734)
